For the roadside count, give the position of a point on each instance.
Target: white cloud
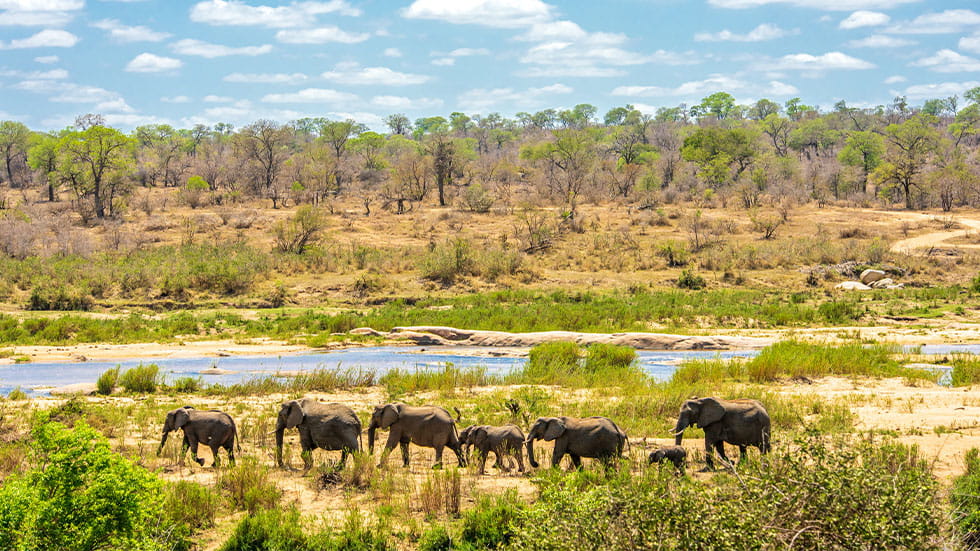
(938, 90)
(817, 63)
(352, 73)
(714, 83)
(832, 5)
(39, 13)
(266, 78)
(175, 99)
(444, 61)
(482, 99)
(895, 79)
(763, 32)
(553, 30)
(450, 58)
(392, 52)
(864, 18)
(53, 74)
(311, 95)
(949, 21)
(948, 61)
(211, 98)
(321, 35)
(60, 91)
(189, 46)
(130, 120)
(296, 14)
(47, 59)
(150, 63)
(48, 38)
(489, 13)
(400, 103)
(971, 43)
(125, 33)
(117, 105)
(881, 41)
(597, 55)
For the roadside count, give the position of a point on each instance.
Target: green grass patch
(966, 369)
(568, 364)
(446, 379)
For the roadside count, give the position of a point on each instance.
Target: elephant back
(332, 410)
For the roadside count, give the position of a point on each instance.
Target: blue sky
(188, 62)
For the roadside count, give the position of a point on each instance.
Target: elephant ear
(294, 415)
(181, 418)
(390, 414)
(711, 412)
(555, 428)
(478, 436)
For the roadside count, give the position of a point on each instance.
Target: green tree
(720, 105)
(763, 108)
(796, 110)
(967, 123)
(618, 116)
(716, 150)
(864, 150)
(568, 159)
(909, 148)
(96, 162)
(812, 137)
(266, 145)
(14, 142)
(370, 145)
(43, 158)
(398, 124)
(778, 129)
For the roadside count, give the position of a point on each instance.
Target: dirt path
(934, 239)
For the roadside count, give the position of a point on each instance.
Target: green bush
(966, 370)
(190, 504)
(691, 280)
(448, 261)
(107, 381)
(546, 362)
(141, 379)
(82, 496)
(602, 356)
(187, 385)
(489, 525)
(436, 539)
(249, 485)
(17, 394)
(802, 359)
(839, 311)
(852, 494)
(272, 530)
(965, 498)
(59, 297)
(567, 364)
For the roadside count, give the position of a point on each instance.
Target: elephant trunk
(371, 428)
(530, 452)
(280, 429)
(163, 442)
(679, 429)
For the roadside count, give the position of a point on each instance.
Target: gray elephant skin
(594, 437)
(674, 454)
(741, 423)
(506, 440)
(327, 426)
(427, 426)
(213, 428)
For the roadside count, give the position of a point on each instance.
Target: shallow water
(37, 378)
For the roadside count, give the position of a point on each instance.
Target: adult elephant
(214, 429)
(595, 437)
(742, 423)
(428, 426)
(328, 426)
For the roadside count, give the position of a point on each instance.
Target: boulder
(869, 276)
(884, 283)
(85, 389)
(852, 286)
(367, 331)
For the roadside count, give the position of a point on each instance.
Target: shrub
(795, 358)
(477, 198)
(17, 394)
(249, 485)
(107, 381)
(838, 311)
(602, 356)
(490, 524)
(674, 253)
(691, 280)
(187, 385)
(301, 231)
(965, 498)
(59, 297)
(272, 530)
(966, 370)
(82, 496)
(448, 261)
(436, 539)
(140, 379)
(546, 360)
(190, 504)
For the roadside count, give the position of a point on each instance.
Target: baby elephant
(213, 428)
(675, 454)
(505, 440)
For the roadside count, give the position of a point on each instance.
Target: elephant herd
(332, 426)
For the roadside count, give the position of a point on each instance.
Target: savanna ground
(615, 269)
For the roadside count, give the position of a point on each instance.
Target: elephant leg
(192, 443)
(500, 464)
(215, 447)
(393, 439)
(520, 460)
(720, 446)
(458, 450)
(708, 452)
(557, 454)
(438, 463)
(743, 453)
(307, 455)
(230, 447)
(343, 455)
(483, 461)
(576, 461)
(404, 446)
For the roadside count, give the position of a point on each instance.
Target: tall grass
(107, 381)
(448, 378)
(318, 380)
(141, 379)
(966, 370)
(802, 359)
(568, 364)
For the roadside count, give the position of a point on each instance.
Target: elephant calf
(213, 428)
(675, 454)
(505, 440)
(428, 426)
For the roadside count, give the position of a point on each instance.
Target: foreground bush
(83, 496)
(854, 495)
(965, 499)
(277, 530)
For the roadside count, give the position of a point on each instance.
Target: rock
(85, 389)
(883, 283)
(366, 331)
(420, 338)
(852, 286)
(215, 371)
(434, 335)
(896, 286)
(869, 276)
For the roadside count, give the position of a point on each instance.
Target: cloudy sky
(235, 61)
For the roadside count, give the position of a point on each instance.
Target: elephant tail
(238, 439)
(458, 414)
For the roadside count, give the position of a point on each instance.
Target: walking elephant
(595, 437)
(675, 454)
(328, 426)
(742, 423)
(504, 440)
(428, 426)
(214, 429)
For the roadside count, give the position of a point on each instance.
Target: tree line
(753, 155)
